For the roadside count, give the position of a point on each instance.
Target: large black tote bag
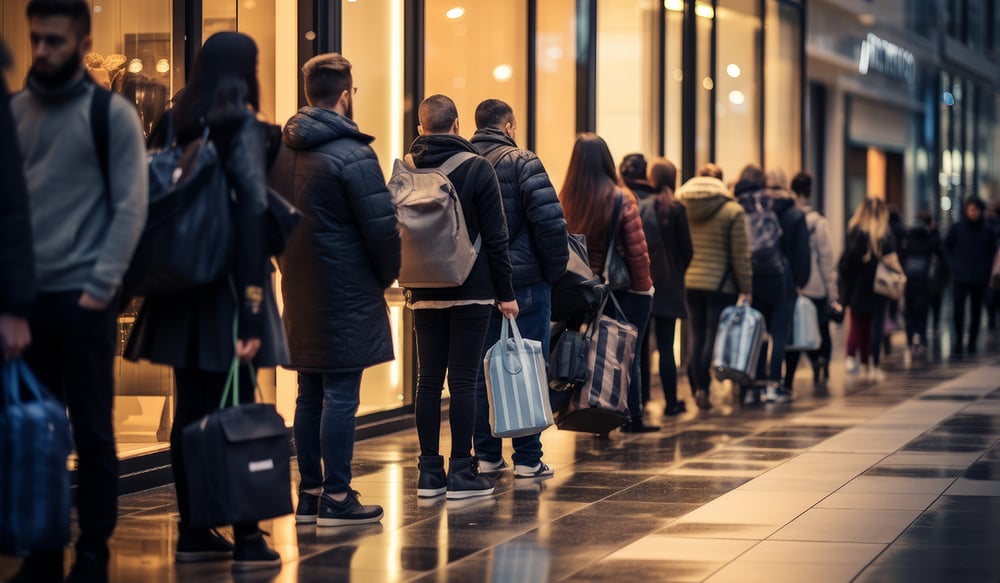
(34, 482)
(237, 462)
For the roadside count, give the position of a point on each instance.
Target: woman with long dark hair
(669, 240)
(589, 196)
(192, 331)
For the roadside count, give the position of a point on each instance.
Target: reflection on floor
(898, 481)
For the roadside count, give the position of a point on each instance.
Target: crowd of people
(689, 250)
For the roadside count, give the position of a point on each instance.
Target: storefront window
(674, 79)
(555, 97)
(737, 88)
(478, 51)
(705, 87)
(783, 102)
(627, 76)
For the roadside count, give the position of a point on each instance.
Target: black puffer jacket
(346, 251)
(772, 289)
(17, 264)
(476, 184)
(969, 249)
(535, 223)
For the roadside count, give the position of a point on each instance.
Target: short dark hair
(77, 10)
(633, 167)
(711, 169)
(327, 76)
(493, 113)
(437, 114)
(802, 184)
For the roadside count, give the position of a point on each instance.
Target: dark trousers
(325, 413)
(866, 332)
(974, 293)
(533, 320)
(816, 357)
(705, 308)
(665, 328)
(72, 353)
(918, 303)
(449, 342)
(198, 393)
(778, 316)
(644, 350)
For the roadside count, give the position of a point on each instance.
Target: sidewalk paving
(898, 481)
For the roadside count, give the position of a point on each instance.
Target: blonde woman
(869, 241)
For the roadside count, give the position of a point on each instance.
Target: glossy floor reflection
(898, 481)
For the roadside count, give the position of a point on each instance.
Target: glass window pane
(674, 79)
(737, 88)
(706, 86)
(555, 67)
(477, 51)
(783, 101)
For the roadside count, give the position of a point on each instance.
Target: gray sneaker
(347, 512)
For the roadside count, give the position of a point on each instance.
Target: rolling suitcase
(738, 343)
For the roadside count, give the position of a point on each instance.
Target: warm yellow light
(135, 66)
(162, 66)
(737, 97)
(675, 5)
(455, 13)
(503, 73)
(733, 70)
(708, 84)
(704, 10)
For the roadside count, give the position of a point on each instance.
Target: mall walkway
(892, 482)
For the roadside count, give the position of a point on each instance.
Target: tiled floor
(852, 482)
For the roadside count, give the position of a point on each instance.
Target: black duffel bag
(579, 292)
(237, 462)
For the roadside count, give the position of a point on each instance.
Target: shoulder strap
(613, 231)
(100, 129)
(455, 161)
(497, 154)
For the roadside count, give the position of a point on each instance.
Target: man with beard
(86, 225)
(334, 271)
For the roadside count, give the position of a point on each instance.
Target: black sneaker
(465, 481)
(347, 512)
(253, 554)
(307, 508)
(432, 480)
(199, 545)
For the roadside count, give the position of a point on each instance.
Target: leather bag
(889, 282)
(568, 358)
(616, 273)
(515, 384)
(237, 461)
(578, 292)
(34, 482)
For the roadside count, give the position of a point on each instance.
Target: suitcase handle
(17, 370)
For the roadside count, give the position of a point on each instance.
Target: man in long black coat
(335, 271)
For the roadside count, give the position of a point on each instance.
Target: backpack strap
(497, 154)
(100, 130)
(455, 161)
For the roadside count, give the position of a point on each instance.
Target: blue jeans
(637, 308)
(324, 429)
(535, 309)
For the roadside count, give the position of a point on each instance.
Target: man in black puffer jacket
(335, 271)
(538, 255)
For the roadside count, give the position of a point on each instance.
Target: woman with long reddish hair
(589, 196)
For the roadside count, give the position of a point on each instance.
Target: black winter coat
(668, 237)
(478, 190)
(856, 274)
(969, 249)
(772, 289)
(193, 329)
(346, 251)
(538, 248)
(923, 248)
(17, 263)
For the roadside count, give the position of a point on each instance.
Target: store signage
(889, 59)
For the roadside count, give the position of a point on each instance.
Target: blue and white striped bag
(516, 385)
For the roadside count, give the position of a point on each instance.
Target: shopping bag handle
(511, 351)
(232, 389)
(16, 374)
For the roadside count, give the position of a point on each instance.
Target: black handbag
(835, 312)
(282, 218)
(616, 273)
(578, 291)
(568, 358)
(34, 483)
(237, 462)
(188, 238)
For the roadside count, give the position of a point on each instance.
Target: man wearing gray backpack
(451, 322)
(538, 254)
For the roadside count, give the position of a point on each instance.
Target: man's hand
(15, 336)
(508, 309)
(89, 302)
(247, 349)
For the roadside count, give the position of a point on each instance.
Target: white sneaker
(538, 470)
(875, 374)
(851, 365)
(486, 467)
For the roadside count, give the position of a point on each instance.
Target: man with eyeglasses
(86, 220)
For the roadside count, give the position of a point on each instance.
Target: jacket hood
(313, 126)
(703, 196)
(432, 150)
(781, 205)
(492, 138)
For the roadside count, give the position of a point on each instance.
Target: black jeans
(778, 317)
(449, 342)
(73, 353)
(197, 394)
(816, 357)
(706, 309)
(668, 364)
(918, 303)
(974, 293)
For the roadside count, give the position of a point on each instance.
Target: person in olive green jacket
(719, 274)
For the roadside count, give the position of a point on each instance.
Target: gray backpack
(436, 249)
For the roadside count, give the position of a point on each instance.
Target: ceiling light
(674, 5)
(733, 70)
(503, 73)
(704, 10)
(455, 13)
(737, 97)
